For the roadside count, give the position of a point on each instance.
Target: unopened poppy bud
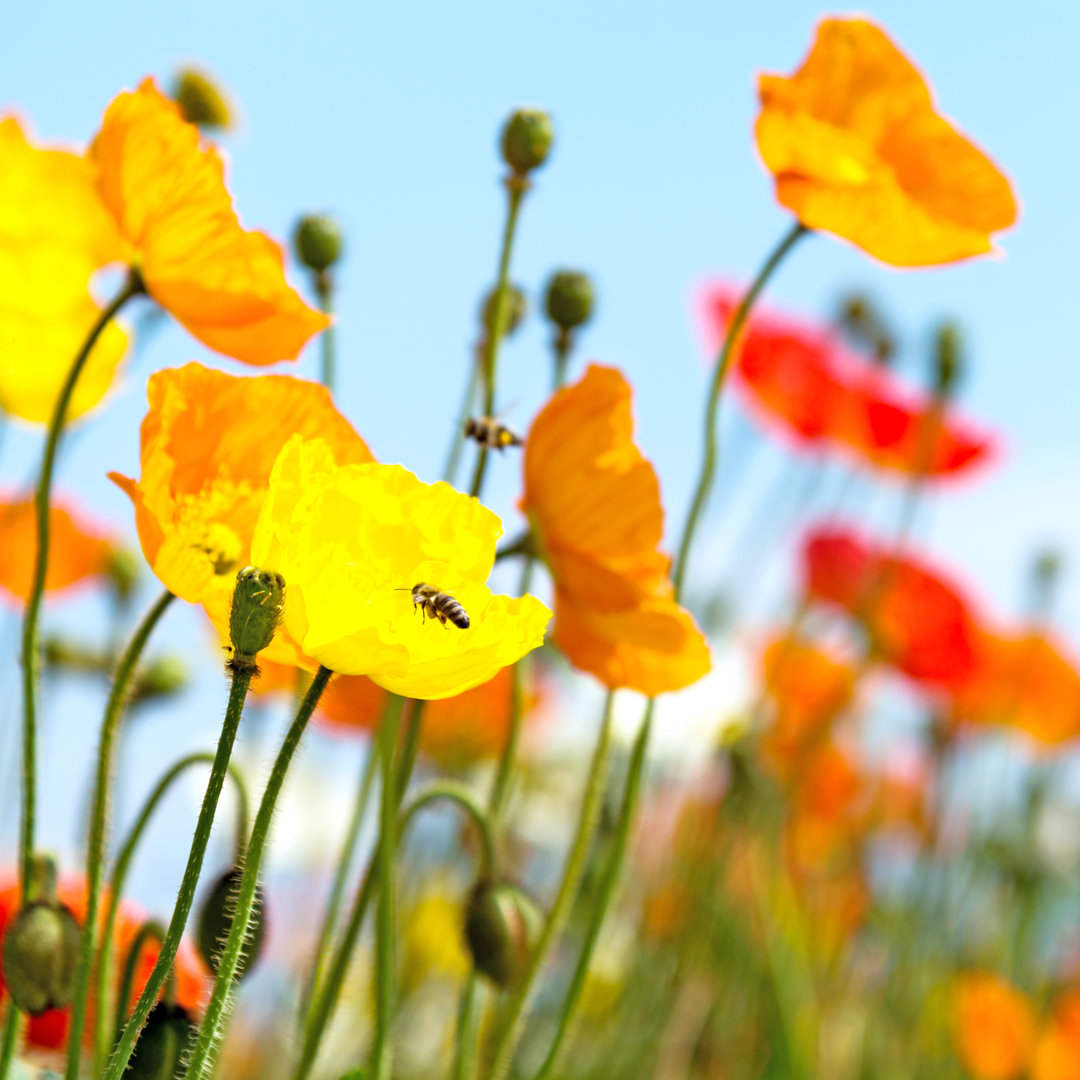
(569, 299)
(863, 323)
(162, 677)
(502, 925)
(161, 1043)
(526, 139)
(515, 306)
(257, 605)
(201, 99)
(216, 918)
(318, 242)
(41, 946)
(948, 363)
(123, 572)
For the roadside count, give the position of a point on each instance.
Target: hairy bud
(216, 918)
(257, 606)
(526, 139)
(501, 927)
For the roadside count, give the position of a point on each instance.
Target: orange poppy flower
(209, 442)
(1057, 1051)
(917, 621)
(78, 551)
(167, 195)
(49, 1031)
(594, 504)
(993, 1026)
(54, 234)
(857, 149)
(802, 381)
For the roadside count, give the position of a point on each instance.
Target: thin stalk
(152, 929)
(324, 290)
(118, 878)
(462, 797)
(516, 186)
(561, 348)
(513, 1014)
(30, 659)
(468, 1014)
(241, 680)
(9, 1037)
(457, 436)
(95, 850)
(410, 745)
(712, 408)
(216, 1017)
(382, 1050)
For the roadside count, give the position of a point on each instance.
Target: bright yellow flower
(54, 234)
(352, 540)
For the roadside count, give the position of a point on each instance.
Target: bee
(437, 605)
(489, 432)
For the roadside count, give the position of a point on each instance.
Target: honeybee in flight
(437, 605)
(490, 432)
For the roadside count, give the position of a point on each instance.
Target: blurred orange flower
(917, 621)
(801, 380)
(167, 194)
(857, 149)
(209, 442)
(78, 550)
(49, 1031)
(54, 234)
(993, 1026)
(823, 820)
(1057, 1051)
(594, 504)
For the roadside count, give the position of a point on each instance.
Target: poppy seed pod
(318, 242)
(526, 139)
(201, 100)
(501, 927)
(39, 954)
(948, 363)
(161, 1043)
(569, 299)
(215, 922)
(515, 307)
(257, 605)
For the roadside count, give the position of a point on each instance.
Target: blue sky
(387, 115)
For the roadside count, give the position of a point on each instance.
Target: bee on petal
(438, 605)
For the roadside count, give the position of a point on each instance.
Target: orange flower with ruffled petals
(594, 504)
(1057, 1051)
(857, 149)
(993, 1026)
(79, 551)
(209, 443)
(167, 195)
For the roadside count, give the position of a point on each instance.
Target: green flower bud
(201, 100)
(318, 242)
(257, 605)
(39, 954)
(163, 677)
(161, 1043)
(215, 922)
(864, 324)
(948, 362)
(515, 307)
(123, 571)
(569, 299)
(502, 925)
(526, 139)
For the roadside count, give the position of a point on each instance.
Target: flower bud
(526, 139)
(515, 307)
(569, 299)
(318, 241)
(201, 100)
(257, 605)
(864, 324)
(163, 677)
(123, 573)
(39, 954)
(161, 1043)
(502, 925)
(948, 363)
(216, 918)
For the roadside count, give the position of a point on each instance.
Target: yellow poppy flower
(352, 540)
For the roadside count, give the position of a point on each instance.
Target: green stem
(516, 186)
(9, 1037)
(506, 1040)
(468, 1014)
(118, 878)
(241, 680)
(723, 363)
(457, 438)
(324, 290)
(561, 348)
(152, 929)
(608, 882)
(216, 1017)
(410, 747)
(382, 1050)
(132, 287)
(461, 796)
(95, 851)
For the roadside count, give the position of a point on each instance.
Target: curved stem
(132, 287)
(608, 882)
(123, 863)
(241, 680)
(516, 186)
(148, 930)
(506, 1040)
(216, 1017)
(324, 290)
(460, 795)
(712, 408)
(95, 850)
